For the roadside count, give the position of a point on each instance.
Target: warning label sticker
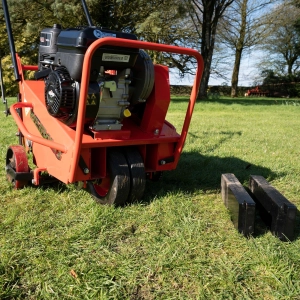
(91, 100)
(115, 57)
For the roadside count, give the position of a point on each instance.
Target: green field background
(179, 242)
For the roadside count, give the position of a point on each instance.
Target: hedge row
(285, 90)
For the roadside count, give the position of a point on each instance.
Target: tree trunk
(205, 76)
(235, 73)
(239, 50)
(290, 68)
(212, 12)
(209, 28)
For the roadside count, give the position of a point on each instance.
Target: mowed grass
(179, 242)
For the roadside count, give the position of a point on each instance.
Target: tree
(28, 18)
(161, 21)
(181, 23)
(242, 27)
(205, 15)
(283, 43)
(168, 24)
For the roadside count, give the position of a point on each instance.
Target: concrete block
(281, 210)
(239, 203)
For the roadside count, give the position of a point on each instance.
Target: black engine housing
(67, 48)
(61, 56)
(62, 96)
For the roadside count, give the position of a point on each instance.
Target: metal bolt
(86, 171)
(156, 131)
(29, 143)
(162, 162)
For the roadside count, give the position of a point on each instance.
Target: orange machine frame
(60, 150)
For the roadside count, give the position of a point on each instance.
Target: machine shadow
(198, 173)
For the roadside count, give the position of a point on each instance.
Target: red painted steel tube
(20, 68)
(132, 44)
(36, 175)
(188, 116)
(29, 68)
(26, 133)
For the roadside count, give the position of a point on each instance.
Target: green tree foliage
(281, 84)
(168, 24)
(28, 18)
(159, 21)
(271, 77)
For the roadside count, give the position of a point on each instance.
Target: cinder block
(239, 203)
(281, 210)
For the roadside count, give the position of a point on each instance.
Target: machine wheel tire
(137, 174)
(16, 159)
(114, 189)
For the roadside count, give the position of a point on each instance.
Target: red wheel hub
(16, 159)
(103, 187)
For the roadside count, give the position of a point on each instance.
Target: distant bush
(180, 90)
(284, 90)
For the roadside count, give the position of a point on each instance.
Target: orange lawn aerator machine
(95, 112)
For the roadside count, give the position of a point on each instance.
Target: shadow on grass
(197, 173)
(243, 101)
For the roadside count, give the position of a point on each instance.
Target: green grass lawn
(179, 243)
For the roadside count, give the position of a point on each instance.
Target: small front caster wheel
(16, 162)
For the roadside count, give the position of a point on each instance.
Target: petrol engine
(120, 78)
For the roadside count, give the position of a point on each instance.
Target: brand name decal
(42, 130)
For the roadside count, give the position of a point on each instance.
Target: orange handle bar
(132, 44)
(26, 133)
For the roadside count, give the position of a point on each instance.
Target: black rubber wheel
(137, 174)
(114, 189)
(16, 159)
